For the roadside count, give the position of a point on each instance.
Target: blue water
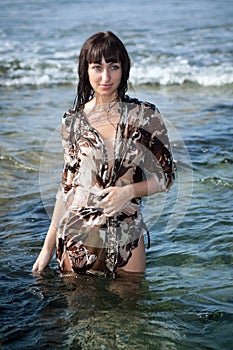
(181, 54)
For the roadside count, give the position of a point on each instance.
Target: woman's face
(105, 79)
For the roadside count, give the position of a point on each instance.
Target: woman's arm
(49, 245)
(116, 198)
(47, 250)
(146, 187)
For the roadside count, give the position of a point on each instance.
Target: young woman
(116, 151)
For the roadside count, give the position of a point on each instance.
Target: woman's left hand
(116, 198)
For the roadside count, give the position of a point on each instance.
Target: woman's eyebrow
(100, 63)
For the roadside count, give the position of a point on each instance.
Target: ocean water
(182, 60)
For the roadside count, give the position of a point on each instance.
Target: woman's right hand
(42, 261)
(47, 250)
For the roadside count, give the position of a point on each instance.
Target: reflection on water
(95, 313)
(91, 312)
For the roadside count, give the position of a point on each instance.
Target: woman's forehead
(111, 53)
(103, 60)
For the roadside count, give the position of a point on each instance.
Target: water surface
(182, 62)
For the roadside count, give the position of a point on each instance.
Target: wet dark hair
(109, 46)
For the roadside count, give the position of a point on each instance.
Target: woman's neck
(100, 100)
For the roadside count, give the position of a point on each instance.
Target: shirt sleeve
(64, 191)
(69, 152)
(158, 161)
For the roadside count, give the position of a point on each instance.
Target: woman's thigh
(137, 262)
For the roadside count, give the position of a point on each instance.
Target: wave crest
(60, 71)
(180, 72)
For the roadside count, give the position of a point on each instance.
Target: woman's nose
(106, 75)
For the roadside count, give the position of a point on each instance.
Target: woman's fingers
(115, 199)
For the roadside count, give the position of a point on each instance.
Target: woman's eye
(115, 67)
(97, 68)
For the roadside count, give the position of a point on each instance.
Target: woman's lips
(105, 86)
